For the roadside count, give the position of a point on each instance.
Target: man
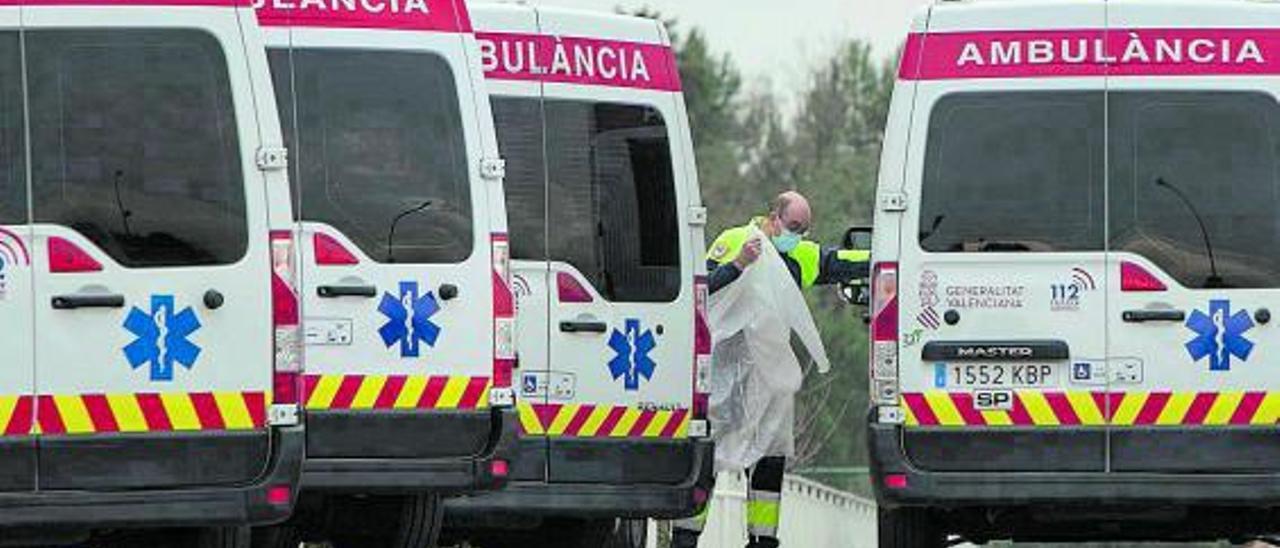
(733, 252)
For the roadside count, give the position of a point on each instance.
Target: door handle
(583, 327)
(73, 302)
(336, 291)
(1142, 316)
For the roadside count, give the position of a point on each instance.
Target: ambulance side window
(1008, 172)
(521, 144)
(13, 180)
(380, 152)
(1180, 159)
(135, 145)
(612, 198)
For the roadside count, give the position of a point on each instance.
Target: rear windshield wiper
(1214, 281)
(391, 233)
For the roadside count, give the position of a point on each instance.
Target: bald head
(790, 210)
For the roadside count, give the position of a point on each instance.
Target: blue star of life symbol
(162, 337)
(1219, 335)
(631, 360)
(409, 319)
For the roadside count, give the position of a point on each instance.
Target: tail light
(884, 334)
(504, 323)
(1134, 278)
(287, 365)
(701, 350)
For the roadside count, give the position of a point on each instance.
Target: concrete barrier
(813, 516)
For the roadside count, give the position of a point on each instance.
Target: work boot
(763, 542)
(684, 538)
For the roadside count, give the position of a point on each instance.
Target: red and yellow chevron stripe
(939, 408)
(130, 413)
(390, 392)
(16, 414)
(601, 421)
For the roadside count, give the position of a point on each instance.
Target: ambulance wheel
(412, 521)
(910, 528)
(629, 533)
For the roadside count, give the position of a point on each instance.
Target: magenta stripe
(583, 61)
(1091, 53)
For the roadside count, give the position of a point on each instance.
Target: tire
(415, 522)
(909, 528)
(629, 533)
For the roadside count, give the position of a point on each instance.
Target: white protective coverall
(755, 374)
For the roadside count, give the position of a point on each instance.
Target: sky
(772, 41)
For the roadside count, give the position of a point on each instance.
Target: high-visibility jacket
(810, 264)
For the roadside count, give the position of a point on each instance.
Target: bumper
(1141, 481)
(596, 499)
(459, 469)
(165, 508)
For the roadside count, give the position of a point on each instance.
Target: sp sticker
(162, 337)
(990, 400)
(409, 319)
(1220, 335)
(631, 361)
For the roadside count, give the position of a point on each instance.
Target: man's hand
(750, 252)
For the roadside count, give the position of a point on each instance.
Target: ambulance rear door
(401, 216)
(151, 245)
(621, 316)
(1001, 278)
(1194, 154)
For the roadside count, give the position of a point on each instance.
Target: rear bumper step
(599, 500)
(468, 471)
(1157, 475)
(165, 508)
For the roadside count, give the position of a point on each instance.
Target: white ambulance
(1077, 253)
(606, 239)
(146, 285)
(408, 315)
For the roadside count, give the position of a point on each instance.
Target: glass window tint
(134, 144)
(1180, 159)
(1010, 172)
(520, 143)
(380, 152)
(13, 180)
(612, 200)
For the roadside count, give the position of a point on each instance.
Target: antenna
(1214, 281)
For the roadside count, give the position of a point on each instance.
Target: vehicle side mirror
(857, 238)
(857, 292)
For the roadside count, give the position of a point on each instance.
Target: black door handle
(336, 291)
(72, 302)
(1141, 316)
(583, 327)
(448, 292)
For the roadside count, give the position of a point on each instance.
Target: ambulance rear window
(1014, 172)
(378, 150)
(1183, 159)
(134, 144)
(612, 198)
(604, 198)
